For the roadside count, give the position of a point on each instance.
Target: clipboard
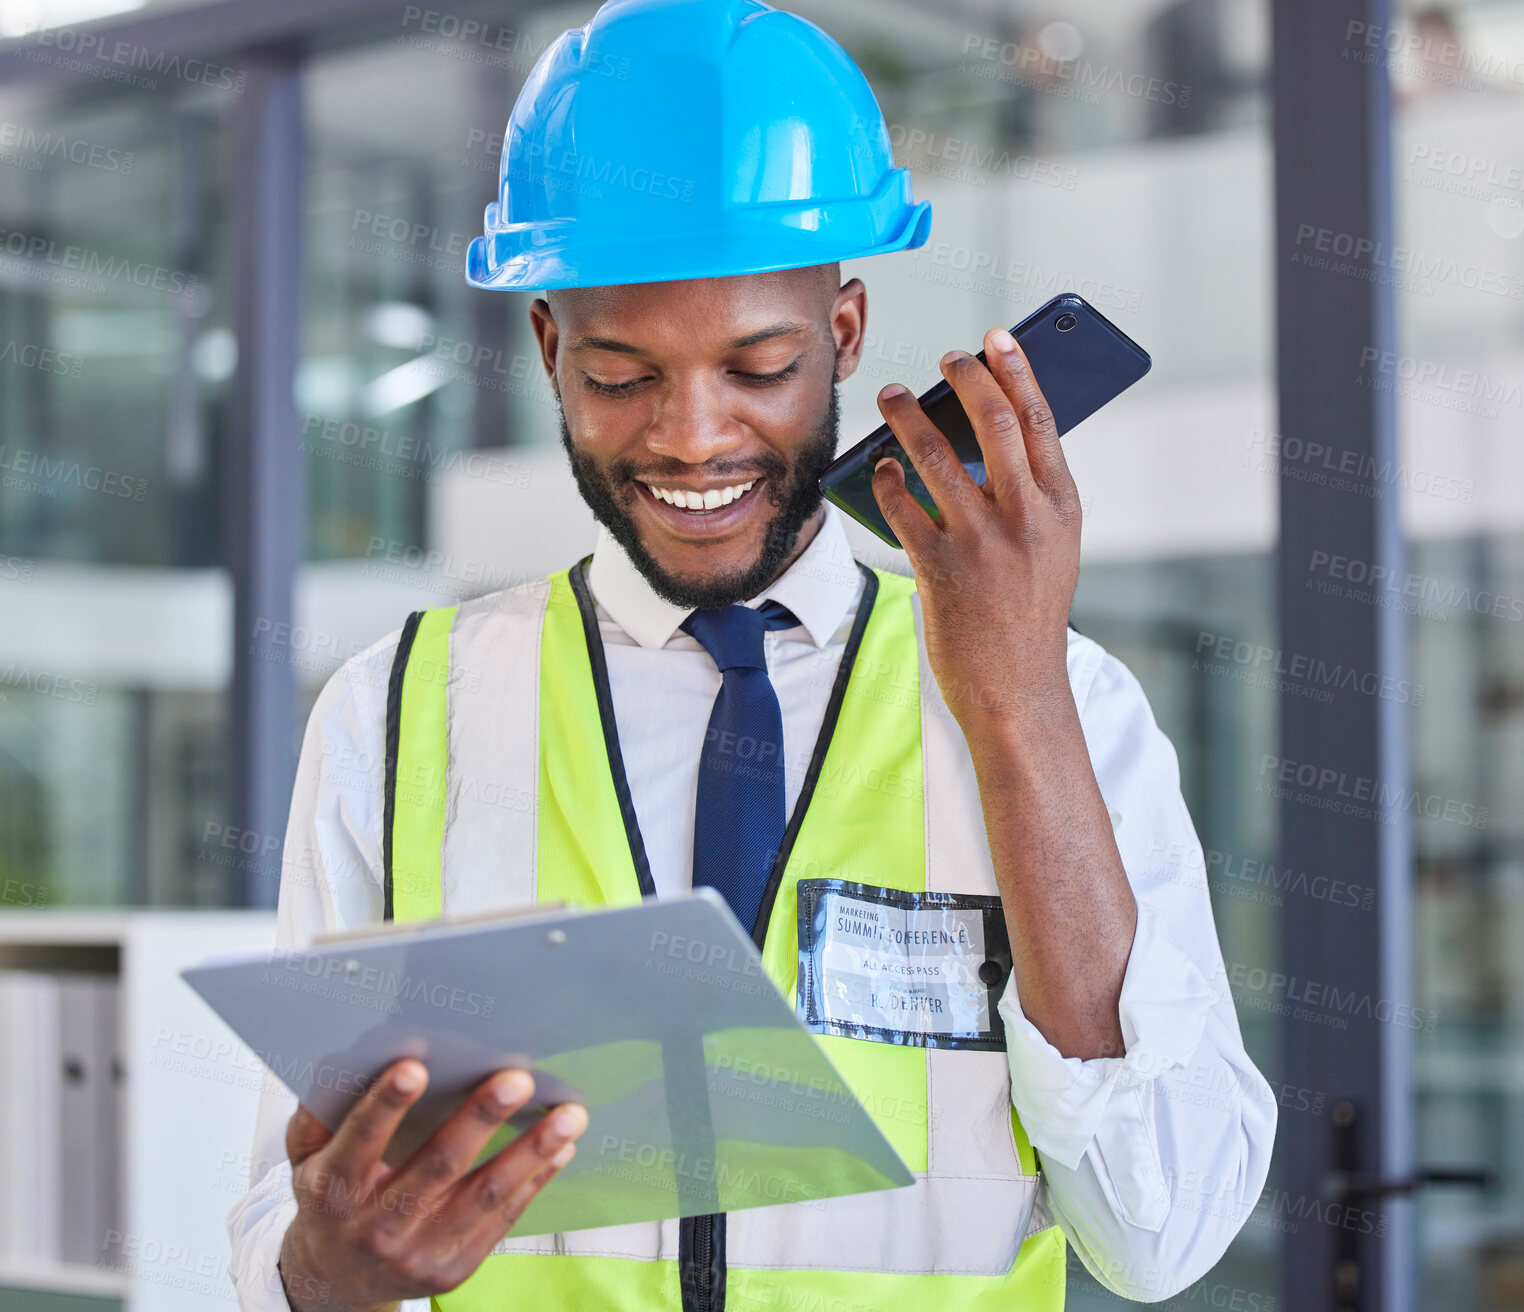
(704, 1091)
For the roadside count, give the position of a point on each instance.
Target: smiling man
(720, 695)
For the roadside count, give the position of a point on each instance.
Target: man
(721, 695)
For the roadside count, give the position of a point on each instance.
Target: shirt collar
(819, 587)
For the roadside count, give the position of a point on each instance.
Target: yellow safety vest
(500, 732)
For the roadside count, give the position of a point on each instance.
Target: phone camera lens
(1064, 322)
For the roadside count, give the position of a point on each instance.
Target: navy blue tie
(738, 826)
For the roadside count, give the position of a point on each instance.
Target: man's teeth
(715, 496)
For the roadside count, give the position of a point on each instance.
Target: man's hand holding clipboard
(367, 1233)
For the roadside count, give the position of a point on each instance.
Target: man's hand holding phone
(367, 1235)
(996, 572)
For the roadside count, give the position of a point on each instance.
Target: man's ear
(543, 320)
(849, 318)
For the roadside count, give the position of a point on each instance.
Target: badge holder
(920, 969)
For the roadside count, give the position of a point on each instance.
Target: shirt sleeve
(1153, 1159)
(331, 879)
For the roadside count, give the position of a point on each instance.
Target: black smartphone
(1080, 359)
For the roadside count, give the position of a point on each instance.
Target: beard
(792, 487)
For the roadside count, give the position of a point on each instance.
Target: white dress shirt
(1153, 1160)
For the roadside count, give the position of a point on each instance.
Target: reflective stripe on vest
(500, 722)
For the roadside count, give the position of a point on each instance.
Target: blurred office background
(1122, 149)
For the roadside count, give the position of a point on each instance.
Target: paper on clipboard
(704, 1091)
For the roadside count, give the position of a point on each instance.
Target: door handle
(1345, 1181)
(1360, 1184)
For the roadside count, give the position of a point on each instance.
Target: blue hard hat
(691, 139)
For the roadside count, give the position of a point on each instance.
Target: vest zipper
(703, 1262)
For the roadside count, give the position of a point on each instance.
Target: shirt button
(1116, 818)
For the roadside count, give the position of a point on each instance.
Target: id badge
(921, 969)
